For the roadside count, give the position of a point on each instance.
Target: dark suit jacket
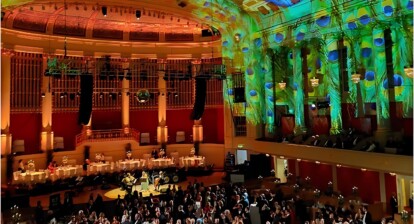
(368, 218)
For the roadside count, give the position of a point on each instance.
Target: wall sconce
(409, 71)
(356, 78)
(282, 85)
(314, 82)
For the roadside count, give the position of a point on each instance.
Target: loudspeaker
(200, 98)
(85, 106)
(239, 96)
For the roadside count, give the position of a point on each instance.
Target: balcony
(107, 135)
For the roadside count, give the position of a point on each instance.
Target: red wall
(27, 127)
(213, 125)
(390, 187)
(66, 125)
(106, 119)
(179, 120)
(145, 121)
(366, 181)
(320, 174)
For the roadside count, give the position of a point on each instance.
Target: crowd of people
(219, 204)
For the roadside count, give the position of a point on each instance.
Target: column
(334, 85)
(46, 141)
(382, 98)
(6, 138)
(383, 195)
(162, 129)
(296, 169)
(125, 99)
(334, 178)
(300, 125)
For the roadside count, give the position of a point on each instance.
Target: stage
(113, 194)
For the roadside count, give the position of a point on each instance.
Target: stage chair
(180, 137)
(18, 146)
(145, 138)
(58, 143)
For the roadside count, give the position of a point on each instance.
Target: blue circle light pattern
(258, 42)
(369, 75)
(323, 21)
(270, 98)
(225, 43)
(364, 20)
(410, 5)
(379, 42)
(366, 52)
(269, 113)
(388, 10)
(245, 49)
(279, 38)
(269, 85)
(333, 55)
(253, 93)
(352, 25)
(300, 36)
(249, 71)
(295, 86)
(398, 81)
(230, 92)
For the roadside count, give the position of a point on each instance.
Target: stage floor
(113, 194)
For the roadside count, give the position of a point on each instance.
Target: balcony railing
(107, 135)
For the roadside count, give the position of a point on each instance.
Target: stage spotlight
(138, 14)
(104, 11)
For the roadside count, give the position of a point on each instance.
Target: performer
(159, 181)
(127, 182)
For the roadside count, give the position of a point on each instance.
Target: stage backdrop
(106, 119)
(65, 124)
(145, 121)
(179, 120)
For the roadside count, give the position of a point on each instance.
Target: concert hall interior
(298, 110)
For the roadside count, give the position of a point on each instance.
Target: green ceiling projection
(361, 26)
